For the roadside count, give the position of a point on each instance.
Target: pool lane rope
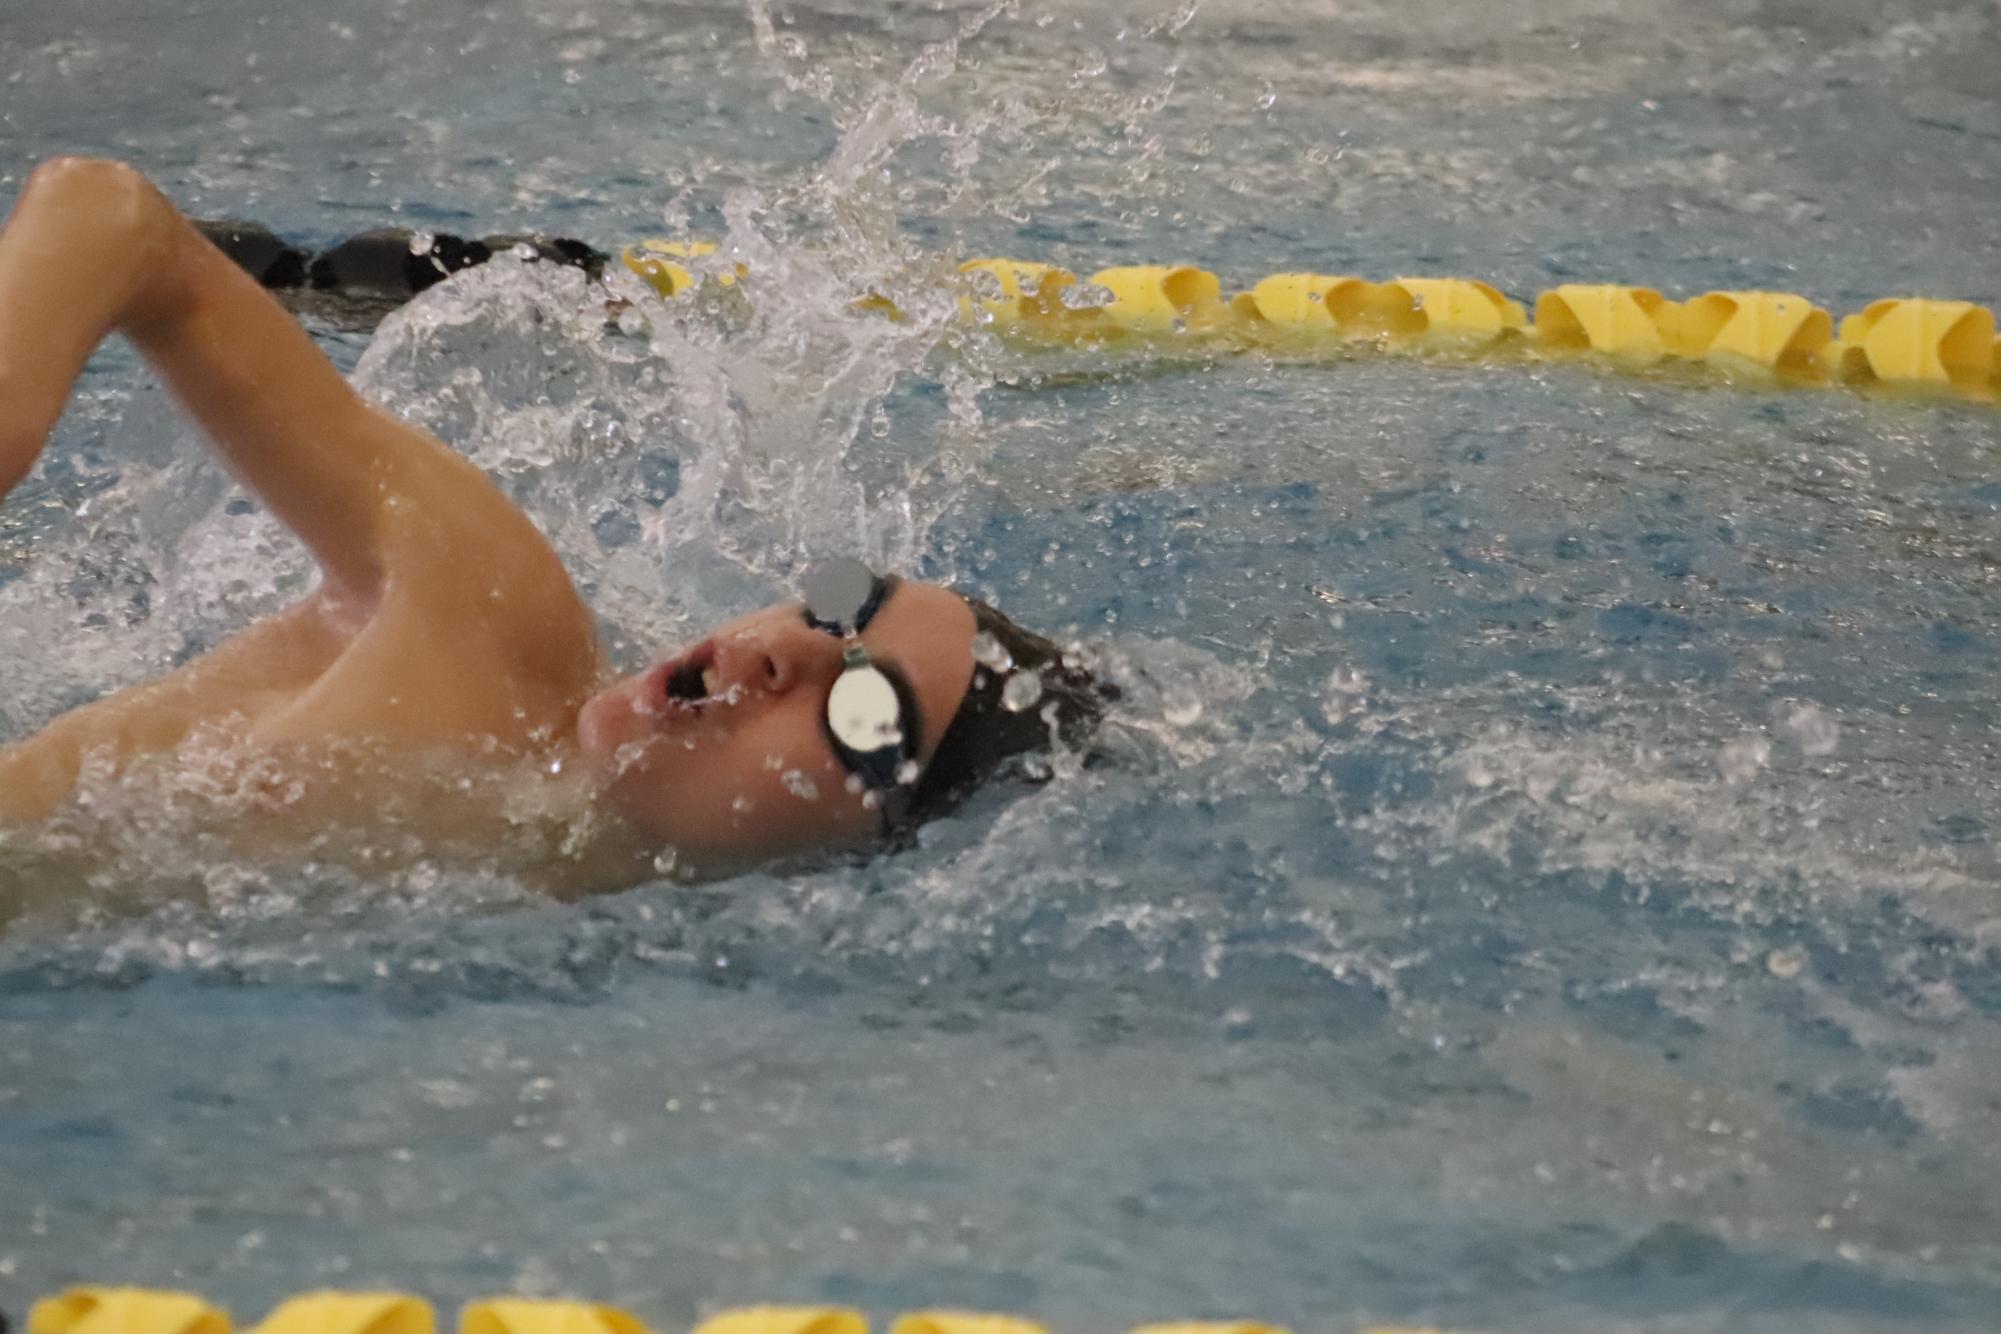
(1766, 337)
(111, 1310)
(1936, 347)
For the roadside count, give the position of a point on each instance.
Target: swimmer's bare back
(443, 620)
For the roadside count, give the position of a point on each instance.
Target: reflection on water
(1540, 876)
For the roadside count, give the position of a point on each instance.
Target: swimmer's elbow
(115, 192)
(112, 220)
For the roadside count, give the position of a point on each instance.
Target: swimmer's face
(746, 769)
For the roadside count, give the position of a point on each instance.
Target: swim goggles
(871, 714)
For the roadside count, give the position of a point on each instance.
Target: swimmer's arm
(92, 248)
(278, 655)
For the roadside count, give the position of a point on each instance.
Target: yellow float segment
(1029, 292)
(351, 1313)
(1337, 303)
(1298, 302)
(1210, 1327)
(964, 1322)
(1463, 309)
(659, 261)
(1635, 325)
(92, 1310)
(786, 1320)
(1913, 340)
(511, 1315)
(1163, 299)
(1777, 331)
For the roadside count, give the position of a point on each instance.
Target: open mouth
(686, 683)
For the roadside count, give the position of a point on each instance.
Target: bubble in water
(986, 284)
(1814, 729)
(1183, 707)
(1785, 964)
(799, 785)
(1022, 690)
(664, 862)
(991, 653)
(1086, 296)
(1740, 760)
(1347, 687)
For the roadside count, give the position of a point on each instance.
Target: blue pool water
(1543, 875)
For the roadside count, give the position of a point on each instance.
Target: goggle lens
(863, 711)
(841, 595)
(865, 715)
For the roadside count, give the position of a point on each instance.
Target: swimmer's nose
(756, 664)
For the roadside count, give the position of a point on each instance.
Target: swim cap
(1026, 695)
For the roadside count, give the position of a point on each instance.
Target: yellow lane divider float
(93, 1310)
(1919, 343)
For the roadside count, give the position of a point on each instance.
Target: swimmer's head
(727, 752)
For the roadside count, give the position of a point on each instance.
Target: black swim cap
(1025, 696)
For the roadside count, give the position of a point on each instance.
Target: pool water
(1543, 874)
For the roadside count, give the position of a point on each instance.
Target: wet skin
(748, 764)
(444, 626)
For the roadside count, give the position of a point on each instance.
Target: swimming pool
(1544, 877)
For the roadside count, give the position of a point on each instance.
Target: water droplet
(1814, 729)
(1086, 296)
(663, 864)
(991, 654)
(1741, 760)
(1347, 680)
(799, 785)
(421, 243)
(1785, 964)
(1022, 690)
(1183, 708)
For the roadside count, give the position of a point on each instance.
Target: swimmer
(444, 664)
